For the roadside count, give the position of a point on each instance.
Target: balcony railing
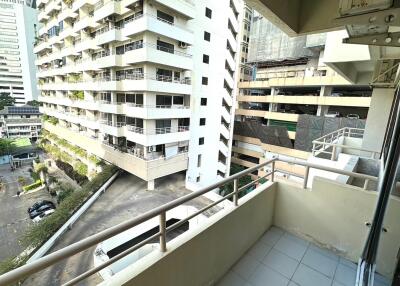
(331, 143)
(91, 241)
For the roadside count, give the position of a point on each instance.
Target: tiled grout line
(299, 263)
(334, 274)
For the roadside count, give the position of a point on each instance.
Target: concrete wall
(333, 215)
(201, 257)
(378, 116)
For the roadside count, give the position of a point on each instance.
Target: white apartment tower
(18, 23)
(145, 85)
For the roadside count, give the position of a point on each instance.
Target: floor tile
(326, 252)
(264, 276)
(272, 236)
(246, 266)
(291, 248)
(320, 262)
(232, 279)
(297, 239)
(281, 263)
(381, 280)
(345, 275)
(348, 263)
(335, 283)
(305, 276)
(291, 283)
(259, 250)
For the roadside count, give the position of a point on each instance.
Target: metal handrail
(84, 244)
(321, 145)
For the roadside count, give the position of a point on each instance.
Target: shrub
(12, 263)
(41, 167)
(37, 234)
(94, 159)
(69, 170)
(81, 168)
(53, 120)
(35, 176)
(33, 186)
(78, 95)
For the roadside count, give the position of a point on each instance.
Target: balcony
(181, 6)
(297, 236)
(148, 22)
(105, 8)
(157, 111)
(157, 136)
(109, 35)
(148, 52)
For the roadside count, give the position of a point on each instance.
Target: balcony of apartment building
(298, 235)
(159, 23)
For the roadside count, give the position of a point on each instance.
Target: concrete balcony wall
(268, 114)
(109, 37)
(180, 6)
(156, 139)
(230, 60)
(232, 41)
(330, 215)
(230, 224)
(156, 113)
(152, 24)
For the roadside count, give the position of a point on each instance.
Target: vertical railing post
(163, 233)
(333, 153)
(305, 181)
(272, 171)
(366, 184)
(235, 192)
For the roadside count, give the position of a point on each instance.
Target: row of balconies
(145, 137)
(127, 160)
(136, 25)
(132, 82)
(140, 110)
(145, 52)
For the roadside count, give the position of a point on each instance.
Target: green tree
(6, 100)
(228, 188)
(7, 146)
(33, 103)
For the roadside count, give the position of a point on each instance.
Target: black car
(40, 210)
(39, 204)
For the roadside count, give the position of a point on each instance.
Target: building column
(323, 109)
(150, 185)
(378, 117)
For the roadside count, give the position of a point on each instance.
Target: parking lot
(13, 210)
(126, 198)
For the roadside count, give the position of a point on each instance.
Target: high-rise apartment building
(18, 24)
(245, 70)
(145, 85)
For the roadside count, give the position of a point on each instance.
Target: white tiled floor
(281, 259)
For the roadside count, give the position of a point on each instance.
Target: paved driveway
(125, 199)
(13, 210)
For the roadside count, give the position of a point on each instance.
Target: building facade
(292, 85)
(18, 29)
(20, 122)
(145, 85)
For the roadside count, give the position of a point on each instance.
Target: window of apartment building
(164, 75)
(163, 126)
(163, 100)
(198, 179)
(199, 160)
(165, 47)
(201, 141)
(208, 13)
(207, 36)
(206, 59)
(203, 101)
(202, 121)
(178, 100)
(204, 80)
(165, 17)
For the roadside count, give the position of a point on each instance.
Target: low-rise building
(20, 122)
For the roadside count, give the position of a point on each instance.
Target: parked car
(40, 210)
(39, 204)
(353, 116)
(43, 215)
